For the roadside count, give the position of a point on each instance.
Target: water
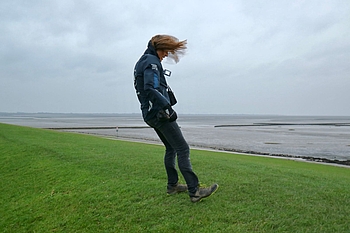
(299, 136)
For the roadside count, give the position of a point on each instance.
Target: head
(169, 46)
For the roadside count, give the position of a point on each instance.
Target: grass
(64, 182)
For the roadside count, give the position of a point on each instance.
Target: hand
(167, 114)
(162, 115)
(172, 114)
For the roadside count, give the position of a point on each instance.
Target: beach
(317, 138)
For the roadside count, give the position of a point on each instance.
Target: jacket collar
(151, 50)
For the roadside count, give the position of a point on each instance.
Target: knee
(170, 151)
(169, 158)
(184, 150)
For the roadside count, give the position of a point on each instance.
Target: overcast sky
(244, 57)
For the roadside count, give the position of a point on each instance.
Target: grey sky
(244, 57)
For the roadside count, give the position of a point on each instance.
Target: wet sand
(320, 139)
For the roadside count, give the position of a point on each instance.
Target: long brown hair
(169, 43)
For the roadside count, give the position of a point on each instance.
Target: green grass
(64, 182)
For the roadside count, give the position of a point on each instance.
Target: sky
(244, 57)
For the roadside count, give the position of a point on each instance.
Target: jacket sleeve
(152, 86)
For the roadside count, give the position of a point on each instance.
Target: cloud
(244, 56)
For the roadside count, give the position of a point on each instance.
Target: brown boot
(203, 193)
(179, 188)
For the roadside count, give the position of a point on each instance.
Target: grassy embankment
(64, 182)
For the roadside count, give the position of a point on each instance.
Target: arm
(152, 86)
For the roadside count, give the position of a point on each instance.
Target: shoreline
(335, 162)
(319, 139)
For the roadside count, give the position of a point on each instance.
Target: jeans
(175, 144)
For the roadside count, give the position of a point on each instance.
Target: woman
(151, 88)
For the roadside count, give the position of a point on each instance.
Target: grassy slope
(61, 182)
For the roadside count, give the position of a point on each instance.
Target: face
(162, 54)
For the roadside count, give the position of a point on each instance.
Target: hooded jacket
(150, 84)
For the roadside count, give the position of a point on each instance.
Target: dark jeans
(175, 144)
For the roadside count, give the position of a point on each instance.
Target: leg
(169, 161)
(173, 136)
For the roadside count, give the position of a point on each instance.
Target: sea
(315, 138)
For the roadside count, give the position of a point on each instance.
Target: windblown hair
(175, 47)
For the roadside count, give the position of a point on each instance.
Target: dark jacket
(150, 84)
